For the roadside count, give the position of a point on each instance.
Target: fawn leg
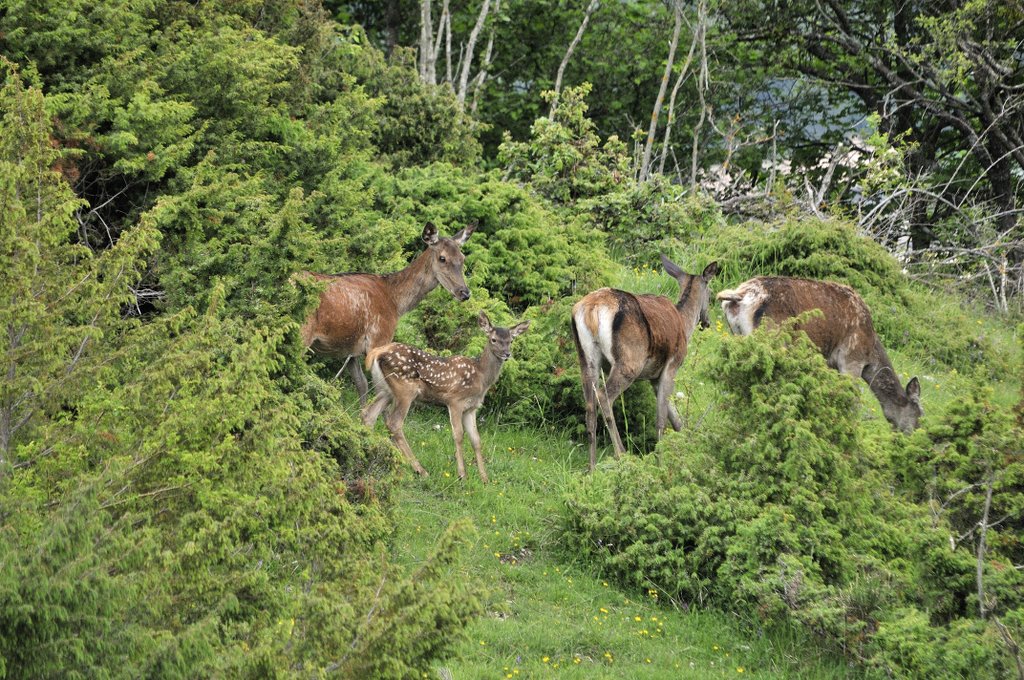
(469, 422)
(372, 412)
(455, 416)
(395, 419)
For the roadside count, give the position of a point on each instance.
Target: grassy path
(546, 615)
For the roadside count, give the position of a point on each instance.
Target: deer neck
(409, 286)
(689, 307)
(489, 366)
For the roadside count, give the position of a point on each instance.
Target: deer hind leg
(469, 422)
(589, 356)
(589, 378)
(359, 378)
(395, 420)
(663, 389)
(615, 383)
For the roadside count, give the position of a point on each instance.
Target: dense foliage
(185, 492)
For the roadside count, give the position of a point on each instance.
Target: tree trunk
(680, 79)
(427, 56)
(591, 8)
(481, 78)
(467, 60)
(645, 163)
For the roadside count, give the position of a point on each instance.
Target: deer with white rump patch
(402, 374)
(359, 311)
(636, 337)
(843, 332)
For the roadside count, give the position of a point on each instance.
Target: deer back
(441, 380)
(844, 324)
(356, 312)
(843, 332)
(641, 333)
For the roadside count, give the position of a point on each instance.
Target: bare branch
(467, 61)
(591, 8)
(645, 163)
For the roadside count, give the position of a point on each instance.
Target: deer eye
(442, 258)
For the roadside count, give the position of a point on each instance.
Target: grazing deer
(402, 374)
(636, 337)
(358, 311)
(843, 332)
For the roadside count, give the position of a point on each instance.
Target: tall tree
(948, 77)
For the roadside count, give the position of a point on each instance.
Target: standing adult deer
(359, 311)
(402, 374)
(636, 337)
(843, 332)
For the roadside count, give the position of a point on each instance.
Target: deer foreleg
(673, 416)
(469, 422)
(663, 387)
(455, 416)
(661, 394)
(359, 378)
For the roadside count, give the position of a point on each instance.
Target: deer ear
(429, 233)
(519, 329)
(671, 268)
(710, 271)
(484, 322)
(914, 389)
(463, 234)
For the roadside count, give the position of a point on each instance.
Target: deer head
(690, 285)
(446, 258)
(904, 413)
(499, 340)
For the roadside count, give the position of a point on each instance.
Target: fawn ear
(463, 234)
(429, 233)
(710, 271)
(671, 268)
(484, 322)
(914, 390)
(519, 328)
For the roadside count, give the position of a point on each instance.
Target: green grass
(547, 615)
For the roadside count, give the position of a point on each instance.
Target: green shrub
(418, 124)
(565, 161)
(645, 219)
(910, 646)
(181, 497)
(778, 506)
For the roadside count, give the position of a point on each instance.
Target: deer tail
(733, 295)
(372, 355)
